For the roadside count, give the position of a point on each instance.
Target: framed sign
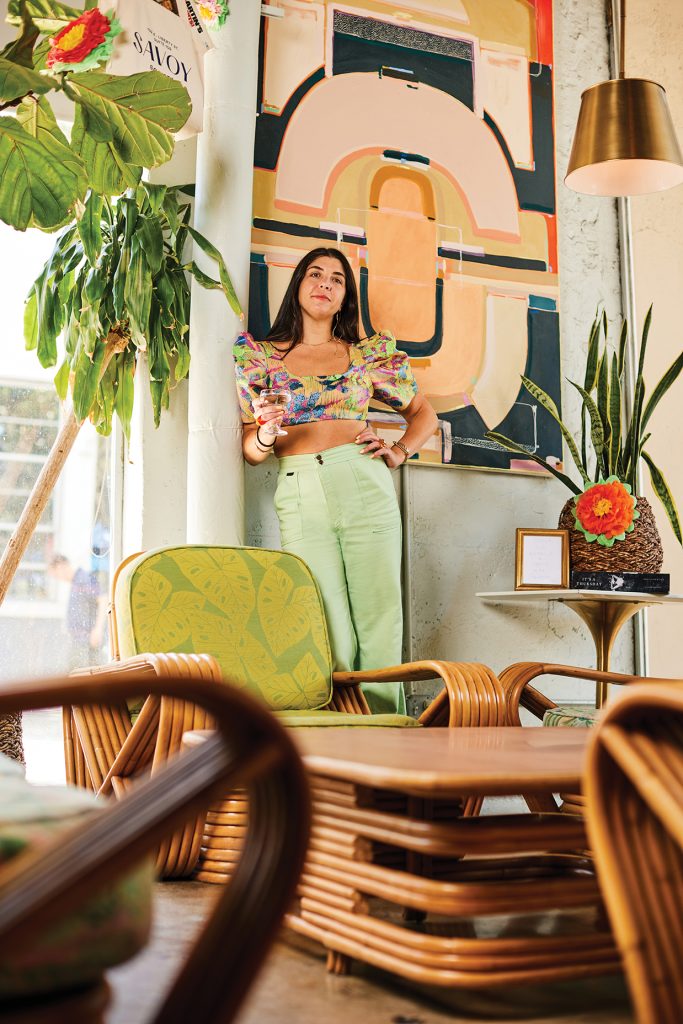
(154, 38)
(541, 559)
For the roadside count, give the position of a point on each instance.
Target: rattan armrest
(516, 678)
(472, 694)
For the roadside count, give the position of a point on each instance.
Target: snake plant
(114, 286)
(611, 442)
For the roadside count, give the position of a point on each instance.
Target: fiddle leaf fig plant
(617, 441)
(121, 123)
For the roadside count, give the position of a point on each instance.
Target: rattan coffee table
(397, 877)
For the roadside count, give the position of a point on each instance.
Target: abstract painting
(418, 137)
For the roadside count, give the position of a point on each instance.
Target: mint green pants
(338, 511)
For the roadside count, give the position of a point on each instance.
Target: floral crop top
(376, 370)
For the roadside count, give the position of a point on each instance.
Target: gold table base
(604, 620)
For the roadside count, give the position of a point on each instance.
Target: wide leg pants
(338, 511)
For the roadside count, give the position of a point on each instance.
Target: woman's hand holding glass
(269, 409)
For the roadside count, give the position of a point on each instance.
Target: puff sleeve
(250, 372)
(390, 372)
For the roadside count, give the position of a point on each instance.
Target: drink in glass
(269, 399)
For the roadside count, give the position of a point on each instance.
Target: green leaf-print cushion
(258, 612)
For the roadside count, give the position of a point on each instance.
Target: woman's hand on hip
(377, 448)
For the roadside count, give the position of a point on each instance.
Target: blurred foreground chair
(634, 817)
(75, 873)
(256, 617)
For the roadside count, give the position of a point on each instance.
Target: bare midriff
(309, 438)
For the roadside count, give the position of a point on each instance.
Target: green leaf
(137, 295)
(662, 387)
(614, 412)
(47, 15)
(603, 408)
(33, 188)
(546, 401)
(90, 227)
(156, 195)
(512, 446)
(86, 379)
(662, 491)
(95, 284)
(20, 50)
(31, 321)
(592, 356)
(61, 380)
(105, 394)
(123, 402)
(109, 174)
(142, 110)
(17, 81)
(149, 234)
(632, 446)
(37, 118)
(182, 366)
(203, 279)
(623, 338)
(211, 250)
(597, 432)
(165, 297)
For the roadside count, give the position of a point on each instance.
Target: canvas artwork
(418, 138)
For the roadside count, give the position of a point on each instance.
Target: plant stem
(47, 478)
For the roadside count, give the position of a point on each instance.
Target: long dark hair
(289, 323)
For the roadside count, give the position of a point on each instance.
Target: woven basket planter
(11, 736)
(640, 551)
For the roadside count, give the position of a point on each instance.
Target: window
(29, 423)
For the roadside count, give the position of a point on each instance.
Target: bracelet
(404, 448)
(259, 443)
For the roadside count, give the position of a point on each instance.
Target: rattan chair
(254, 617)
(42, 887)
(634, 817)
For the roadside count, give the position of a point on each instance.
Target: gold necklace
(334, 340)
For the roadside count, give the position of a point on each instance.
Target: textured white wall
(462, 523)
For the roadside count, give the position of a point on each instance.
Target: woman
(335, 498)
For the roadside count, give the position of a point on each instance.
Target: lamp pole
(629, 310)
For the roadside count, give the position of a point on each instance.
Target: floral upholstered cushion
(108, 929)
(258, 612)
(580, 716)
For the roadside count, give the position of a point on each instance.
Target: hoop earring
(335, 325)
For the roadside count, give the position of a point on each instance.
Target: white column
(225, 158)
(153, 473)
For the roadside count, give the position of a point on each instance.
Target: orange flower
(87, 36)
(605, 511)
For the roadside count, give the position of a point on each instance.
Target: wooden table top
(449, 762)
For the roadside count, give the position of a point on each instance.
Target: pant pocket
(377, 495)
(288, 508)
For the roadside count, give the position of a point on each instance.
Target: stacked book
(624, 582)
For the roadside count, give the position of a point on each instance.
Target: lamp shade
(625, 143)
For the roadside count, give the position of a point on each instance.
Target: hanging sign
(154, 39)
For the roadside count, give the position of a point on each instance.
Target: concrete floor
(294, 987)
